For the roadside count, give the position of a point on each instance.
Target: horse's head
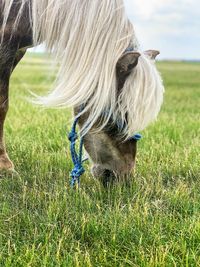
(112, 155)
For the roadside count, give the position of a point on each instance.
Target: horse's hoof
(6, 164)
(8, 174)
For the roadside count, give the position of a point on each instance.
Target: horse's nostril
(108, 174)
(108, 177)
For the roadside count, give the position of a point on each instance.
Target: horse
(115, 89)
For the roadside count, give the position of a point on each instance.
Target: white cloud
(173, 26)
(146, 8)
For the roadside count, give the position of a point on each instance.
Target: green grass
(154, 222)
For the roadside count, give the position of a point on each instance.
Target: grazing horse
(118, 88)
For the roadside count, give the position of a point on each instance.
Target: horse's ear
(127, 62)
(152, 54)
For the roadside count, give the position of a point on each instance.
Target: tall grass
(153, 222)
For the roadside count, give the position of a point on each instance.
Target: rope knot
(76, 174)
(77, 171)
(72, 136)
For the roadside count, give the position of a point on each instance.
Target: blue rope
(78, 169)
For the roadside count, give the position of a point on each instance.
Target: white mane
(141, 97)
(88, 37)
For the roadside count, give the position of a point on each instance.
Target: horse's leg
(8, 61)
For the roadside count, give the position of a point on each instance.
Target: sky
(170, 26)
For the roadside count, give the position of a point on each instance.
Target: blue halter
(77, 157)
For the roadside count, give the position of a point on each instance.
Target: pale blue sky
(171, 26)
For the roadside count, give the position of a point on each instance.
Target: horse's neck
(20, 31)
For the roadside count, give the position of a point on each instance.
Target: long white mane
(88, 37)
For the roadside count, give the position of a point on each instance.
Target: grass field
(154, 222)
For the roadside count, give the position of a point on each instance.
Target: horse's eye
(130, 67)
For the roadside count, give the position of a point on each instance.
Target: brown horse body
(12, 49)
